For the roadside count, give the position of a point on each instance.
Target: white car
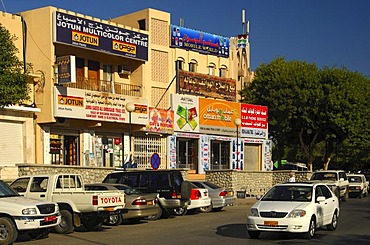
(199, 198)
(358, 186)
(296, 208)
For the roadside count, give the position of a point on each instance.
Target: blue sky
(324, 32)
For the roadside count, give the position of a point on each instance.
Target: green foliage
(13, 81)
(331, 104)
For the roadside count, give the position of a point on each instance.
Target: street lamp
(130, 107)
(237, 123)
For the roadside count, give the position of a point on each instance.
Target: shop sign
(86, 33)
(199, 41)
(66, 69)
(91, 105)
(160, 120)
(186, 116)
(217, 116)
(254, 121)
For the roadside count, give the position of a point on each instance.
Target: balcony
(106, 86)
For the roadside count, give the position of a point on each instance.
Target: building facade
(182, 85)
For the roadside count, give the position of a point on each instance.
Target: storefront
(206, 136)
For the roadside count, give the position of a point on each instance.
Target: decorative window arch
(211, 69)
(193, 64)
(223, 71)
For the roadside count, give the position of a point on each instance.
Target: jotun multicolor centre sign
(85, 33)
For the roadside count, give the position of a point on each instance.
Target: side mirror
(320, 199)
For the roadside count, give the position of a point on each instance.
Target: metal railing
(106, 86)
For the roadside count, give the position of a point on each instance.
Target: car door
(328, 206)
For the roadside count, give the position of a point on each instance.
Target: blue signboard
(85, 33)
(199, 41)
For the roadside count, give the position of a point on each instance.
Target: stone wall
(252, 183)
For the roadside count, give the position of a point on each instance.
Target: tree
(13, 79)
(320, 110)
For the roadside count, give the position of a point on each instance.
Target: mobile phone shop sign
(85, 33)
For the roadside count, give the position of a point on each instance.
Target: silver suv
(336, 179)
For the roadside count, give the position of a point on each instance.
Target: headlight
(56, 208)
(297, 213)
(28, 211)
(254, 212)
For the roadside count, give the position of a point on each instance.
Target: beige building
(182, 84)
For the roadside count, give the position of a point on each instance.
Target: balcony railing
(106, 86)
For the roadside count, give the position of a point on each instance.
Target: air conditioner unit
(124, 70)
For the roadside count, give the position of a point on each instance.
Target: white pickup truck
(77, 206)
(19, 214)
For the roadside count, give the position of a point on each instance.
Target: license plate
(50, 218)
(271, 223)
(150, 202)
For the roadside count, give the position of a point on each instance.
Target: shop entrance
(70, 150)
(187, 154)
(220, 154)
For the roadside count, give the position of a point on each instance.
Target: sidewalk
(248, 201)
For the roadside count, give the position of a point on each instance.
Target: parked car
(167, 183)
(220, 197)
(138, 205)
(358, 186)
(336, 179)
(294, 207)
(199, 198)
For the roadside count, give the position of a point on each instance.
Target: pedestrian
(291, 177)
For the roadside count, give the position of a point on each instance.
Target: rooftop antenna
(243, 20)
(181, 22)
(3, 5)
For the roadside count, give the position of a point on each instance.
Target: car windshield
(356, 179)
(324, 176)
(6, 191)
(289, 193)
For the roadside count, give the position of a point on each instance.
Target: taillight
(95, 200)
(155, 201)
(223, 193)
(195, 194)
(139, 201)
(176, 195)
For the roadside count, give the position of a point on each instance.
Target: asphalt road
(225, 227)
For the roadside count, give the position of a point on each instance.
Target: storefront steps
(194, 176)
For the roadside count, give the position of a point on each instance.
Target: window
(223, 71)
(180, 64)
(193, 66)
(142, 24)
(108, 73)
(211, 69)
(39, 184)
(20, 185)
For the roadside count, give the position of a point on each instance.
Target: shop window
(187, 153)
(64, 150)
(220, 155)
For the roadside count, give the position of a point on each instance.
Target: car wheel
(8, 232)
(114, 219)
(180, 211)
(311, 229)
(66, 224)
(254, 234)
(156, 216)
(334, 223)
(206, 209)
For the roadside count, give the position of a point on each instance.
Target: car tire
(180, 211)
(66, 224)
(8, 231)
(206, 209)
(334, 222)
(114, 219)
(254, 234)
(311, 229)
(156, 216)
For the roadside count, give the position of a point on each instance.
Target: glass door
(220, 154)
(187, 153)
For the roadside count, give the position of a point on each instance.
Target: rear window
(160, 180)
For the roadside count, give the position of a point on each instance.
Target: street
(225, 227)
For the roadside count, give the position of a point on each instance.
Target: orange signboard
(217, 116)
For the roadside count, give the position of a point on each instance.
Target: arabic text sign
(254, 120)
(85, 33)
(199, 41)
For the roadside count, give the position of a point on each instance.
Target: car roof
(106, 184)
(329, 171)
(306, 183)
